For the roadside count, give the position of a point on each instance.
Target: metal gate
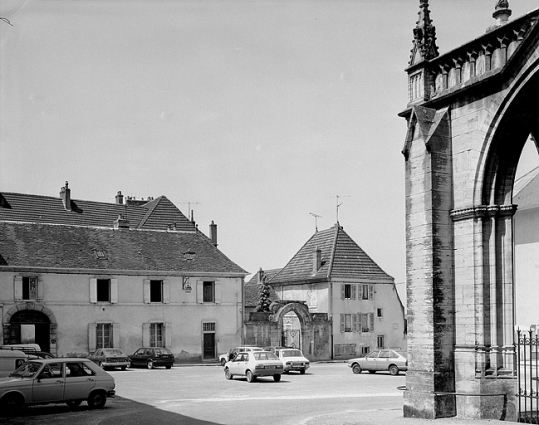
(527, 376)
(292, 338)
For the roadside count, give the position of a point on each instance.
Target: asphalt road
(200, 395)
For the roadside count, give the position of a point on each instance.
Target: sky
(260, 115)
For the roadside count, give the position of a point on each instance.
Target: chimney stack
(121, 223)
(119, 198)
(260, 276)
(213, 233)
(65, 195)
(317, 260)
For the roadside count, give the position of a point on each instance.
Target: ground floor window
(156, 335)
(365, 350)
(380, 341)
(103, 335)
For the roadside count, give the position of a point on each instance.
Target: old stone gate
(469, 113)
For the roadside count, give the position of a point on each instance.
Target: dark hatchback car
(151, 357)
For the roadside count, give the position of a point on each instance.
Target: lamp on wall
(186, 286)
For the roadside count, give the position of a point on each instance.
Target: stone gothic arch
(469, 115)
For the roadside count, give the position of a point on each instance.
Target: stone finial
(502, 12)
(425, 47)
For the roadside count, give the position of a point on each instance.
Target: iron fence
(527, 376)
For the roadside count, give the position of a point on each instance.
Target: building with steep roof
(78, 275)
(332, 275)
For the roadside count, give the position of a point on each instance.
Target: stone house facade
(334, 278)
(79, 275)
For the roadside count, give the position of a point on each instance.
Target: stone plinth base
(428, 405)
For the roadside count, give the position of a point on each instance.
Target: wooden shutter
(342, 291)
(371, 292)
(217, 287)
(371, 320)
(353, 292)
(146, 291)
(166, 292)
(92, 340)
(364, 322)
(115, 335)
(114, 291)
(200, 292)
(39, 289)
(355, 322)
(17, 288)
(342, 322)
(145, 334)
(93, 290)
(168, 334)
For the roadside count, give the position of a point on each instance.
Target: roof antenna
(338, 205)
(316, 217)
(189, 210)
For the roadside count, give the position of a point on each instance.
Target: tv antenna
(190, 211)
(316, 217)
(339, 204)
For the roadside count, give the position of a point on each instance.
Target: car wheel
(149, 365)
(302, 371)
(277, 377)
(228, 375)
(223, 362)
(97, 400)
(372, 371)
(356, 368)
(123, 367)
(10, 404)
(286, 371)
(73, 403)
(168, 366)
(394, 370)
(250, 376)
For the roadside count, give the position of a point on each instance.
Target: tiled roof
(251, 288)
(341, 258)
(157, 214)
(74, 247)
(526, 190)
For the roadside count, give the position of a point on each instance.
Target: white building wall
(68, 297)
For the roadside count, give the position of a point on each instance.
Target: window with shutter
(342, 323)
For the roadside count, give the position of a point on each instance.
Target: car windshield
(112, 352)
(265, 355)
(292, 353)
(27, 370)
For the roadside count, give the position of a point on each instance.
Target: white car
(66, 380)
(293, 359)
(254, 364)
(223, 358)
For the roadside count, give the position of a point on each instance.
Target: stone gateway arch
(470, 112)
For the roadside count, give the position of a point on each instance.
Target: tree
(263, 296)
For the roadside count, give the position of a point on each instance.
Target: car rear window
(162, 351)
(292, 353)
(265, 355)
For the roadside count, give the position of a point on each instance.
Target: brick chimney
(260, 276)
(65, 195)
(119, 198)
(317, 259)
(213, 233)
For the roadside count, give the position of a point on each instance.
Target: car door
(137, 358)
(79, 380)
(48, 385)
(383, 360)
(237, 366)
(370, 360)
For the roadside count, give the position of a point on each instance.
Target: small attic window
(189, 255)
(100, 254)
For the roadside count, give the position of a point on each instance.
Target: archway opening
(526, 236)
(291, 331)
(30, 327)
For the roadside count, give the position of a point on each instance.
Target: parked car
(390, 360)
(293, 359)
(10, 360)
(223, 358)
(67, 380)
(151, 357)
(110, 358)
(253, 364)
(33, 351)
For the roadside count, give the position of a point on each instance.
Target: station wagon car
(152, 356)
(66, 380)
(254, 364)
(110, 358)
(293, 359)
(380, 360)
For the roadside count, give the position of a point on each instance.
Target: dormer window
(100, 254)
(189, 255)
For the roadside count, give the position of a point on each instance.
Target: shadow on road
(118, 411)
